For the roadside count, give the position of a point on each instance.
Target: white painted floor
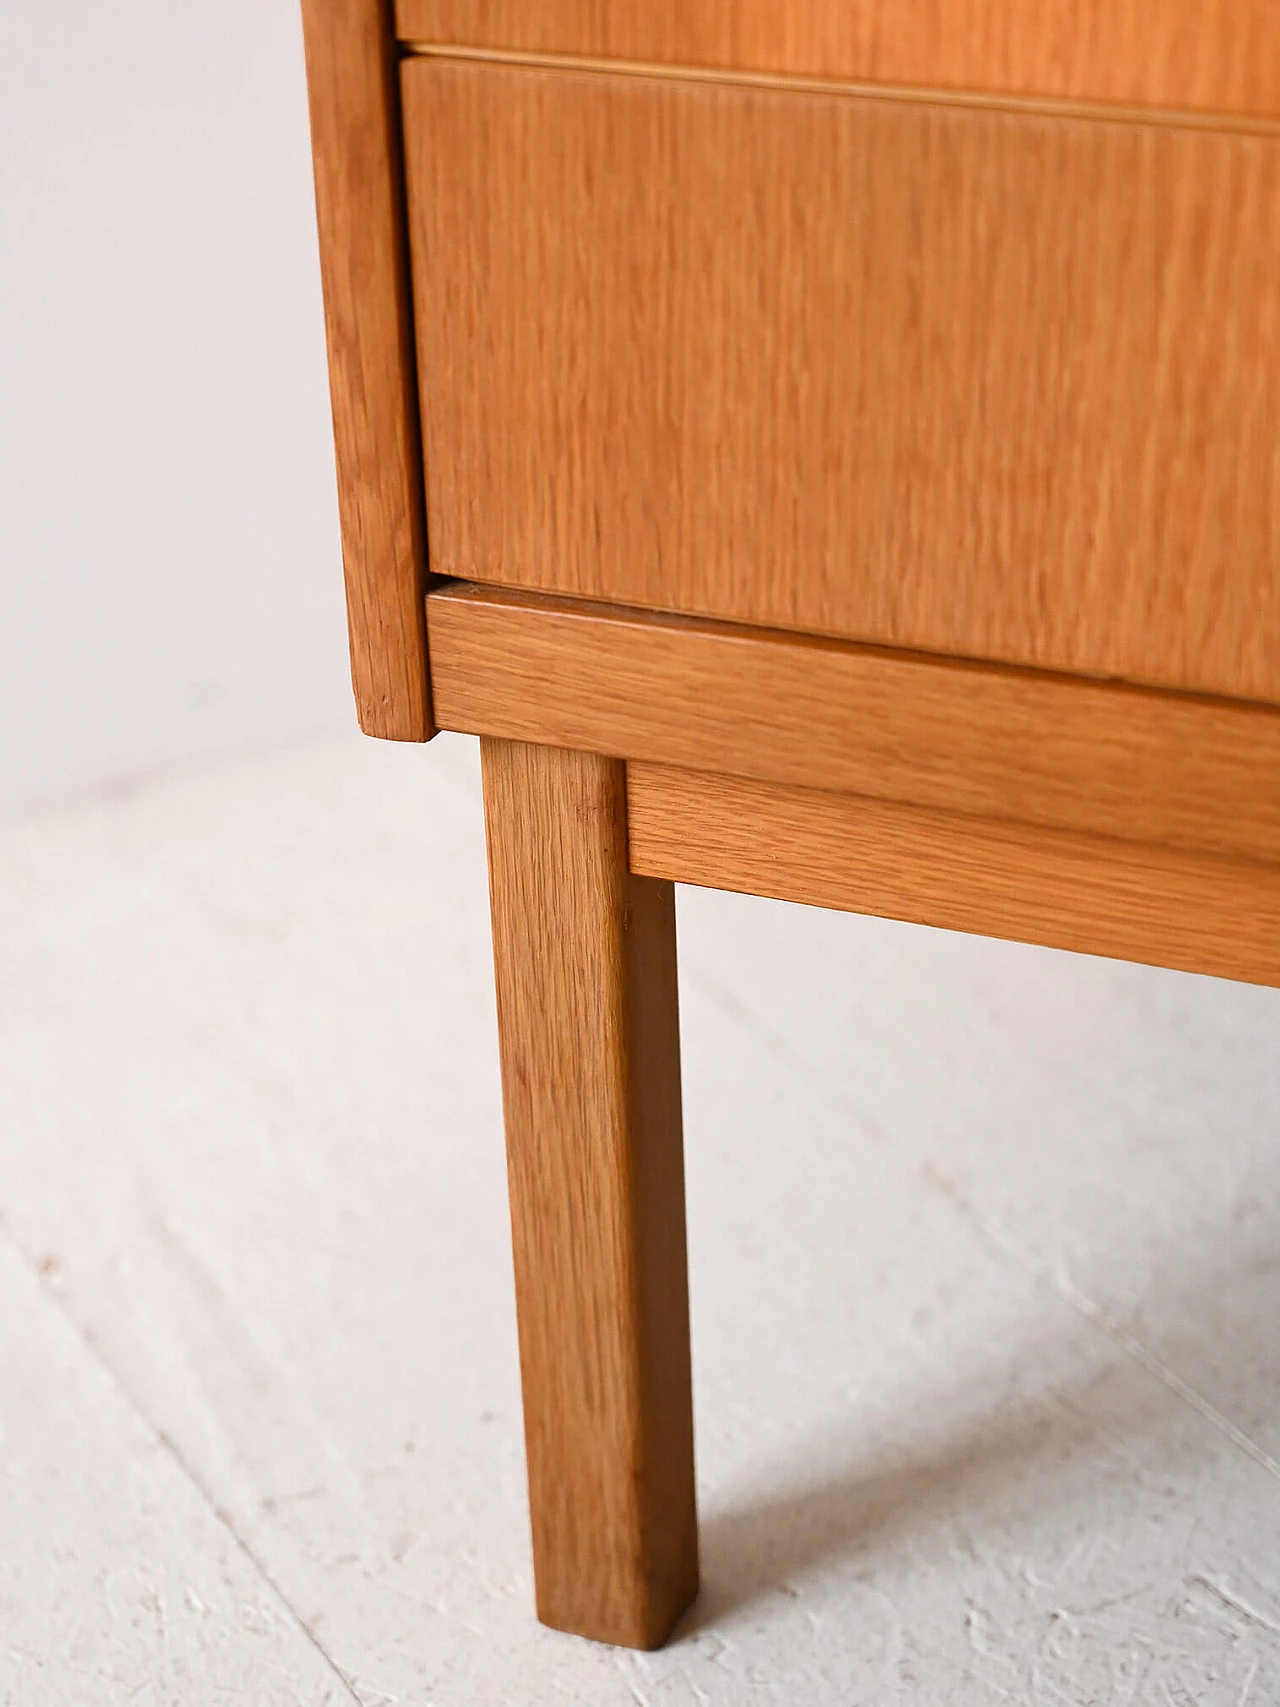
(985, 1275)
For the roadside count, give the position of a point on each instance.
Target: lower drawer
(1003, 384)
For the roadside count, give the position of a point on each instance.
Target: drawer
(1001, 383)
(1211, 56)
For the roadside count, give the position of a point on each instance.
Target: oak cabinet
(831, 451)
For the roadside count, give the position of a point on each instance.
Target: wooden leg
(586, 975)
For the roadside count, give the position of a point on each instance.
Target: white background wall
(170, 585)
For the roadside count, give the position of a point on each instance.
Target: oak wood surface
(355, 137)
(1209, 54)
(1091, 894)
(584, 954)
(983, 383)
(1062, 751)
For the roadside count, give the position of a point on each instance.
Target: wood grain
(1096, 896)
(587, 1017)
(355, 138)
(974, 382)
(1060, 751)
(1208, 54)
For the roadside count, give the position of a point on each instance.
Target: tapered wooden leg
(587, 1018)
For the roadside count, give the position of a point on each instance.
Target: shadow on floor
(1050, 1447)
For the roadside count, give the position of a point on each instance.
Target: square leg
(585, 962)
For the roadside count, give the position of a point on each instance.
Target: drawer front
(1003, 384)
(1211, 55)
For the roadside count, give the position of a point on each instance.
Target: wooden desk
(837, 451)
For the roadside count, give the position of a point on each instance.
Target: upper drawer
(1004, 384)
(1211, 55)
